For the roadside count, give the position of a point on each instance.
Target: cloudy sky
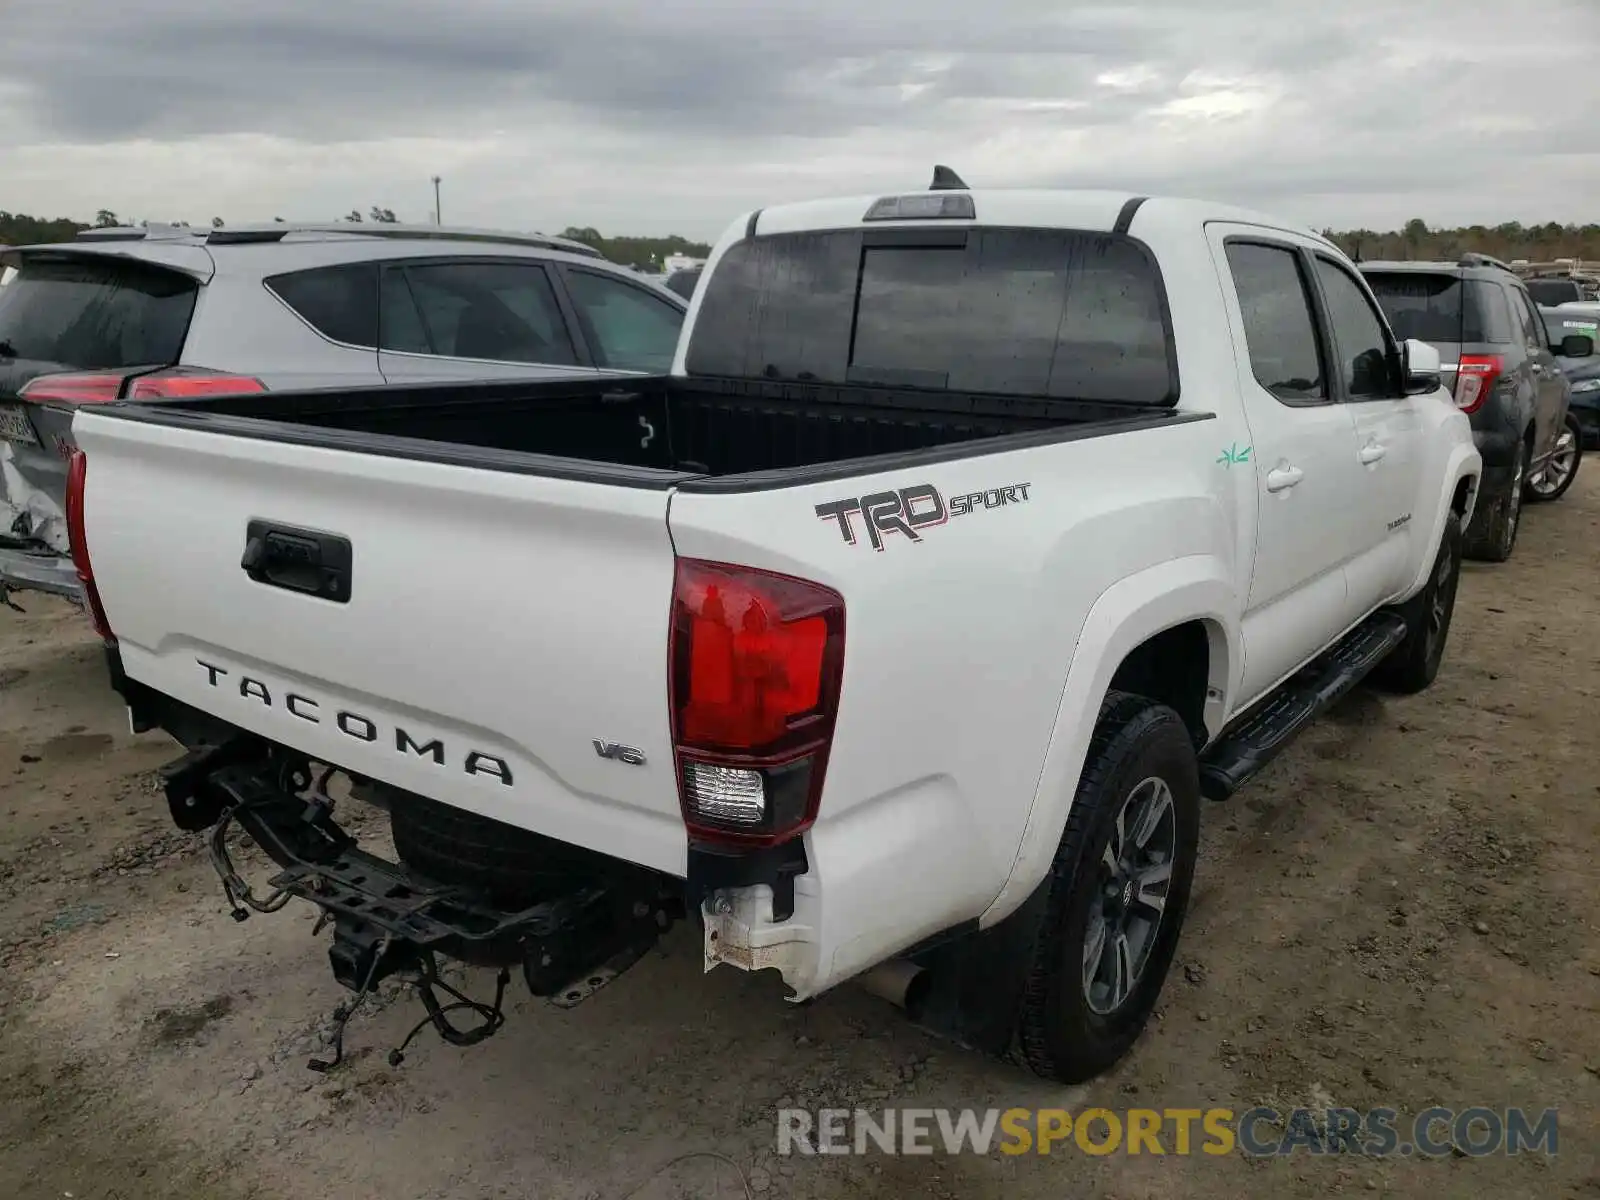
(658, 116)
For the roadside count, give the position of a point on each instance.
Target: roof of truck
(1028, 207)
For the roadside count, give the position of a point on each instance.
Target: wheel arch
(1463, 473)
(1173, 607)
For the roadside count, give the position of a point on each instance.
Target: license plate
(15, 426)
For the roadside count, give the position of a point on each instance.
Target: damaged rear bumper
(389, 920)
(39, 570)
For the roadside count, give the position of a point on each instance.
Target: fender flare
(1123, 616)
(1464, 462)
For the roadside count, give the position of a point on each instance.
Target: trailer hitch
(389, 921)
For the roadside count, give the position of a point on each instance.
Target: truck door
(1302, 455)
(1388, 432)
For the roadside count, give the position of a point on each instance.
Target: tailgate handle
(298, 560)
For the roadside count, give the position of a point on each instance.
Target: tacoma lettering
(358, 726)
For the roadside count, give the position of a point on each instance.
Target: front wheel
(1118, 892)
(1551, 481)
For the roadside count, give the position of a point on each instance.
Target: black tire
(1552, 483)
(1060, 1034)
(1493, 533)
(1414, 663)
(515, 868)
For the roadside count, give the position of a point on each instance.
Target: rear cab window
(1017, 312)
(89, 313)
(1442, 307)
(1280, 331)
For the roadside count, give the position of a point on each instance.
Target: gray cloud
(648, 111)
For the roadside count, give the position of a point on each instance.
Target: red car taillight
(1475, 379)
(97, 387)
(181, 382)
(756, 663)
(102, 387)
(77, 469)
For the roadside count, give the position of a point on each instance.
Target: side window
(1278, 326)
(1494, 317)
(340, 303)
(503, 312)
(1532, 327)
(628, 329)
(1359, 337)
(400, 324)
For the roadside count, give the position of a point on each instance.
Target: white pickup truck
(896, 633)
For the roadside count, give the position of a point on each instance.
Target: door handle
(1283, 477)
(1372, 452)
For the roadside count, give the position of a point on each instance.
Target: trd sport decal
(912, 509)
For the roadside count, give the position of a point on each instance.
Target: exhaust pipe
(901, 982)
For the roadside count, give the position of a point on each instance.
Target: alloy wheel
(1550, 478)
(1125, 914)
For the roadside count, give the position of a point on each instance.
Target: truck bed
(656, 430)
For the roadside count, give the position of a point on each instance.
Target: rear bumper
(40, 571)
(761, 908)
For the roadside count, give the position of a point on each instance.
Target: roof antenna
(946, 180)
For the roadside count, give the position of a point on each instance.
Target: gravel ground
(1401, 913)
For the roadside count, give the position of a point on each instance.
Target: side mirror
(1576, 345)
(1420, 364)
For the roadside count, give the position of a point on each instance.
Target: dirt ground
(1401, 913)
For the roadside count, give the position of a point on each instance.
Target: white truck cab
(973, 538)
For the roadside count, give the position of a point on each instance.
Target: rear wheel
(1551, 481)
(1118, 892)
(1493, 533)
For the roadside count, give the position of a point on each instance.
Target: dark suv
(1499, 364)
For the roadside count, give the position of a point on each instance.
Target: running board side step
(1242, 750)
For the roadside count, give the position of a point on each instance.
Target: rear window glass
(79, 312)
(1559, 325)
(1442, 308)
(1044, 313)
(340, 303)
(1553, 291)
(683, 282)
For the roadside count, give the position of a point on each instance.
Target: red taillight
(102, 387)
(78, 387)
(77, 468)
(182, 382)
(756, 661)
(1475, 379)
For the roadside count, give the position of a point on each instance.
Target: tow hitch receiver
(389, 921)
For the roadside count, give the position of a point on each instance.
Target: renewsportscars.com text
(1256, 1132)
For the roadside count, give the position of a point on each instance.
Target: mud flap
(976, 980)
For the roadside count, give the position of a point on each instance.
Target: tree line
(642, 253)
(1509, 241)
(1415, 240)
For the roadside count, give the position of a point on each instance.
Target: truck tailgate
(500, 633)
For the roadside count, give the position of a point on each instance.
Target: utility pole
(438, 216)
